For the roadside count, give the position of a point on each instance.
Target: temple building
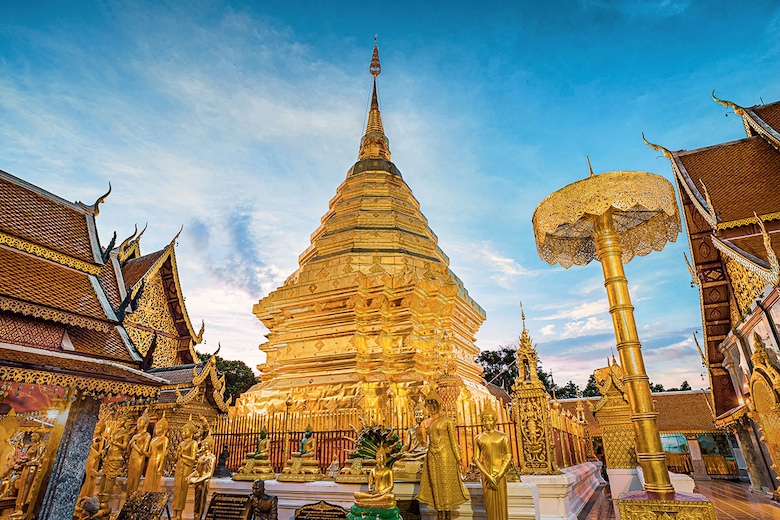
(373, 313)
(81, 325)
(731, 207)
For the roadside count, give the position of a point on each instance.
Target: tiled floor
(732, 501)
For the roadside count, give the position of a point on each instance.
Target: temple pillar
(67, 471)
(697, 462)
(760, 480)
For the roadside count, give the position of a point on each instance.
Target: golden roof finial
(374, 143)
(590, 168)
(657, 147)
(728, 104)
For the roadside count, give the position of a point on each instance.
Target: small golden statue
(380, 485)
(114, 460)
(380, 445)
(158, 448)
(186, 453)
(440, 484)
(200, 478)
(409, 466)
(92, 469)
(8, 426)
(139, 451)
(303, 466)
(257, 466)
(492, 456)
(35, 452)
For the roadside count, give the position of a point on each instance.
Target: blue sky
(239, 120)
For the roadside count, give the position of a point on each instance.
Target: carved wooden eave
(166, 267)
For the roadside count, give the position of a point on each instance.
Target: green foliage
(591, 390)
(238, 376)
(499, 366)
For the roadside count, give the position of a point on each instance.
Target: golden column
(612, 217)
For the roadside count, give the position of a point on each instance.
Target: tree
(238, 376)
(591, 390)
(656, 388)
(500, 366)
(567, 391)
(685, 386)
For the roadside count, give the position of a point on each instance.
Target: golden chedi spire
(374, 144)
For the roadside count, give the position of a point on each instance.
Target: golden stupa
(373, 313)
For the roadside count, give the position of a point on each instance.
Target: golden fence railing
(334, 431)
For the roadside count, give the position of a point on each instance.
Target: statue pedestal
(562, 496)
(359, 513)
(641, 504)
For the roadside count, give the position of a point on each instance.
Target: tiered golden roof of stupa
(373, 310)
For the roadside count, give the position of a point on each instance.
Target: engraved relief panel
(152, 313)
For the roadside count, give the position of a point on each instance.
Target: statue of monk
(92, 469)
(139, 451)
(380, 485)
(415, 446)
(186, 453)
(200, 477)
(492, 456)
(264, 507)
(158, 449)
(440, 485)
(35, 452)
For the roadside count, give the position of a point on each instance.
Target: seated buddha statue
(303, 466)
(256, 465)
(408, 468)
(380, 485)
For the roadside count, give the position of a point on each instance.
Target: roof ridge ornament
(710, 208)
(657, 147)
(728, 104)
(95, 207)
(590, 168)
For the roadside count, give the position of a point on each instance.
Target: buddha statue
(440, 485)
(158, 449)
(493, 456)
(26, 480)
(114, 460)
(303, 466)
(256, 465)
(139, 451)
(409, 466)
(186, 453)
(91, 470)
(200, 477)
(380, 485)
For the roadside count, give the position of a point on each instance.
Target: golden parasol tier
(612, 217)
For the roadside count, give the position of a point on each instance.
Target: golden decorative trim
(748, 220)
(49, 254)
(39, 377)
(47, 313)
(760, 271)
(746, 284)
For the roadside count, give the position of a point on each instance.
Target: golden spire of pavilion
(374, 144)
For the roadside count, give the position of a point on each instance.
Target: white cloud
(547, 330)
(578, 312)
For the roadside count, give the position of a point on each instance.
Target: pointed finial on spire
(590, 168)
(522, 313)
(374, 143)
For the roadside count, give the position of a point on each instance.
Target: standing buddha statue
(492, 456)
(200, 477)
(91, 470)
(158, 448)
(186, 453)
(139, 451)
(440, 485)
(35, 452)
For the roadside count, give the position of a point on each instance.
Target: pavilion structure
(82, 326)
(373, 313)
(731, 208)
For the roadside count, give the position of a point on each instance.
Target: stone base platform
(563, 496)
(643, 505)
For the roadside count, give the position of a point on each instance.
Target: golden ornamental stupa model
(373, 310)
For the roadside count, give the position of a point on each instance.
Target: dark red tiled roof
(750, 168)
(177, 375)
(21, 330)
(754, 245)
(678, 412)
(136, 268)
(106, 345)
(42, 218)
(30, 279)
(770, 114)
